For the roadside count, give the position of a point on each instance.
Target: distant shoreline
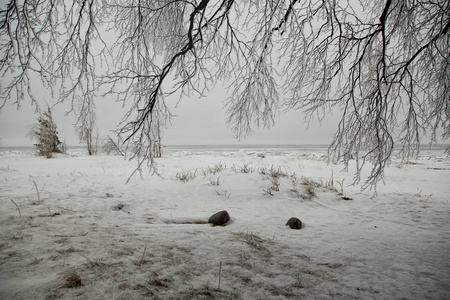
(193, 146)
(232, 147)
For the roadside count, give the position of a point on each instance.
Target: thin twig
(62, 208)
(143, 255)
(65, 235)
(20, 215)
(37, 191)
(144, 286)
(220, 273)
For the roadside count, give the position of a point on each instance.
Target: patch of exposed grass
(215, 182)
(71, 279)
(273, 172)
(186, 176)
(216, 168)
(252, 240)
(246, 168)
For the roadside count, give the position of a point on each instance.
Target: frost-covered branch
(383, 65)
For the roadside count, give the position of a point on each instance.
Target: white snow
(91, 236)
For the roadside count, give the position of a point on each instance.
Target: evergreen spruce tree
(47, 137)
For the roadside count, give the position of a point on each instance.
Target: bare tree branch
(383, 65)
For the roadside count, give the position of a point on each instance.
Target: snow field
(91, 236)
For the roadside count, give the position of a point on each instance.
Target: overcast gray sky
(197, 121)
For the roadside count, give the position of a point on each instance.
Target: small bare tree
(86, 125)
(383, 64)
(91, 138)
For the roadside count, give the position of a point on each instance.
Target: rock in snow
(294, 223)
(220, 218)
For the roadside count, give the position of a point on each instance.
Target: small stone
(220, 218)
(294, 223)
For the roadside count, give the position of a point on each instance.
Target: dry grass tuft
(217, 168)
(72, 279)
(141, 261)
(185, 176)
(273, 172)
(214, 182)
(252, 240)
(36, 261)
(244, 169)
(207, 292)
(118, 207)
(310, 191)
(158, 281)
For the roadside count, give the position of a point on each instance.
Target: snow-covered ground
(70, 228)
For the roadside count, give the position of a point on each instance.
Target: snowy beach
(71, 228)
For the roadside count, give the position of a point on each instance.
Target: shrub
(46, 135)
